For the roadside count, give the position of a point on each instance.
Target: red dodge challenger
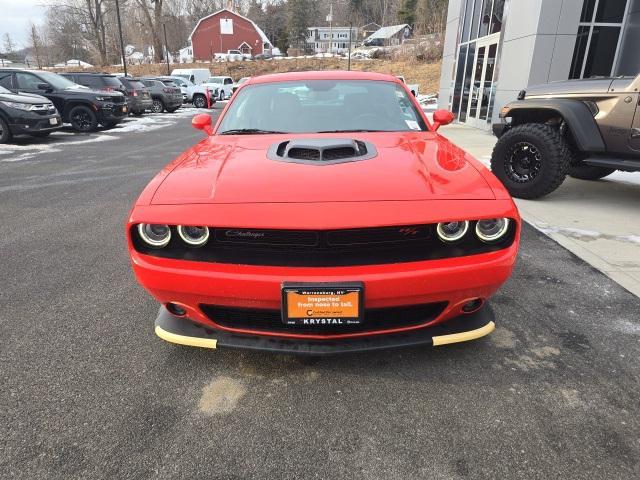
(322, 214)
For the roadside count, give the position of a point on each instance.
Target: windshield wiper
(351, 130)
(248, 131)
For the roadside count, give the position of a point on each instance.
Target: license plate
(53, 121)
(320, 304)
(124, 109)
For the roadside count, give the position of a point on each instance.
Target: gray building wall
(536, 46)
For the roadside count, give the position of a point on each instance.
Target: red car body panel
(417, 178)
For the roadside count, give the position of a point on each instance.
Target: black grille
(118, 99)
(325, 248)
(374, 319)
(304, 154)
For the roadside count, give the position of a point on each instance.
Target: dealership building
(495, 48)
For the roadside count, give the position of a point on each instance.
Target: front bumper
(460, 329)
(25, 124)
(113, 112)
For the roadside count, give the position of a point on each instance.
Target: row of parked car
(38, 102)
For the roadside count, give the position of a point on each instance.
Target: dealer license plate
(53, 121)
(322, 303)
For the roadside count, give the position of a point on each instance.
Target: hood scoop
(322, 151)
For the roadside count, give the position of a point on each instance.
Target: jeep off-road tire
(589, 172)
(531, 160)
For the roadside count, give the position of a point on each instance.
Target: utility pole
(124, 60)
(349, 61)
(166, 47)
(330, 18)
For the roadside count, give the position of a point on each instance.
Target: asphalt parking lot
(90, 392)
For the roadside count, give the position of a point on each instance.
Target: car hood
(24, 98)
(235, 169)
(584, 86)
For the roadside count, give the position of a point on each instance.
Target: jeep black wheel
(83, 119)
(199, 101)
(589, 172)
(531, 160)
(158, 106)
(5, 133)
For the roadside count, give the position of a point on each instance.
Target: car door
(228, 85)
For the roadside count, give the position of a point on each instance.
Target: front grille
(324, 248)
(118, 99)
(374, 319)
(44, 109)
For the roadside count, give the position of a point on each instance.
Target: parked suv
(138, 95)
(96, 81)
(165, 94)
(587, 129)
(80, 106)
(196, 94)
(26, 114)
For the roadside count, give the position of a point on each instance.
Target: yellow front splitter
(461, 329)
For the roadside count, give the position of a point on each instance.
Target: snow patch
(585, 235)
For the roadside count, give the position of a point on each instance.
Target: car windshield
(136, 84)
(57, 81)
(316, 106)
(215, 80)
(169, 83)
(112, 81)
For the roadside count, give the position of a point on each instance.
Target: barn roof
(388, 32)
(263, 37)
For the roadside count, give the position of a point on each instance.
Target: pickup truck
(196, 94)
(233, 56)
(223, 85)
(413, 86)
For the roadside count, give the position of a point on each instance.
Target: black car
(104, 82)
(80, 106)
(138, 95)
(26, 115)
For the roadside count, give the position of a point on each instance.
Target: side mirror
(202, 122)
(442, 117)
(44, 86)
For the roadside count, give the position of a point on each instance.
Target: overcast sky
(15, 16)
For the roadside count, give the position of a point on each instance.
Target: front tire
(83, 119)
(199, 101)
(158, 106)
(531, 160)
(589, 172)
(5, 133)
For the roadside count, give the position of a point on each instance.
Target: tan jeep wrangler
(584, 128)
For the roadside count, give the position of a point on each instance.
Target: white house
(186, 54)
(318, 39)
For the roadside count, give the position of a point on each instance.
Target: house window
(598, 39)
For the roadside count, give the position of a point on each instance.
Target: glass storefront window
(610, 11)
(598, 37)
(457, 88)
(496, 17)
(466, 85)
(486, 18)
(604, 41)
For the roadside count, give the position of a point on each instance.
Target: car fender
(575, 113)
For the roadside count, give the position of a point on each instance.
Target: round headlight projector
(492, 229)
(194, 236)
(452, 231)
(154, 234)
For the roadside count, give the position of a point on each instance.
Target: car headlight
(492, 229)
(154, 234)
(452, 231)
(18, 105)
(194, 236)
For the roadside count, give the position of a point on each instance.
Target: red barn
(227, 30)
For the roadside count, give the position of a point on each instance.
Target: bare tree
(35, 43)
(152, 14)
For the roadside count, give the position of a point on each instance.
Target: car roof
(323, 75)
